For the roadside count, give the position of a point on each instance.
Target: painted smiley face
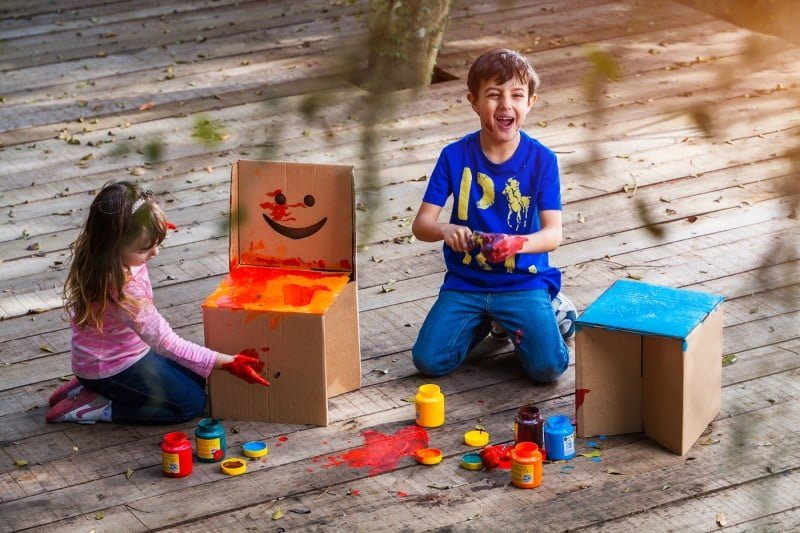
(279, 211)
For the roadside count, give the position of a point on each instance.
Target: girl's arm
(427, 228)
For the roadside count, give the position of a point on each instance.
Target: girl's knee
(194, 406)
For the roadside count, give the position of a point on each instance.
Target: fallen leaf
(46, 348)
(593, 453)
(692, 219)
(670, 211)
(665, 487)
(146, 106)
(409, 399)
(387, 288)
(99, 515)
(278, 514)
(128, 473)
(33, 247)
(19, 463)
(613, 472)
(722, 521)
(300, 511)
(709, 441)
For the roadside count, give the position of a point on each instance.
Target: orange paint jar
(526, 465)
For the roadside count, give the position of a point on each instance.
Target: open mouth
(295, 233)
(505, 122)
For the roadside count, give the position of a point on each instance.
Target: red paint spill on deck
(401, 494)
(283, 439)
(382, 452)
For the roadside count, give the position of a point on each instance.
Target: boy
(506, 217)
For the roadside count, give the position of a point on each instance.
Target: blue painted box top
(646, 309)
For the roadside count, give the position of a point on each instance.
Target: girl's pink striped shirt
(127, 337)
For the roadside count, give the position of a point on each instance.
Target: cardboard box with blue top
(649, 358)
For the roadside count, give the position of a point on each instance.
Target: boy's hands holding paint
(247, 366)
(497, 247)
(457, 237)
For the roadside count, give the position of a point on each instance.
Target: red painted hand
(497, 247)
(247, 366)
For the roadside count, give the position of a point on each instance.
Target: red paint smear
(279, 262)
(344, 263)
(354, 492)
(580, 395)
(518, 336)
(298, 295)
(382, 452)
(170, 225)
(283, 439)
(246, 275)
(279, 212)
(498, 456)
(265, 349)
(401, 494)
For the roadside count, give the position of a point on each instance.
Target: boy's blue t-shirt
(492, 198)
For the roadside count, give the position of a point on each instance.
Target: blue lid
(558, 422)
(647, 309)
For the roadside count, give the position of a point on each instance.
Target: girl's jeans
(461, 319)
(155, 390)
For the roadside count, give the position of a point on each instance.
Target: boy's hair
(502, 64)
(119, 215)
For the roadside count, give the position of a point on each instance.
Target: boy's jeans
(461, 319)
(154, 390)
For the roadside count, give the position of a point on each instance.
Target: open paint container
(255, 448)
(429, 456)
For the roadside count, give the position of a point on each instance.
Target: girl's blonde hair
(119, 215)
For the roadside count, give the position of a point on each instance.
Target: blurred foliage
(209, 132)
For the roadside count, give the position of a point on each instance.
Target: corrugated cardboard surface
(608, 364)
(287, 216)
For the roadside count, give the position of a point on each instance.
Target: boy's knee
(546, 371)
(430, 364)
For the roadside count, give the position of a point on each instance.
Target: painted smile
(295, 233)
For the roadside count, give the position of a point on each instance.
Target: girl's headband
(136, 205)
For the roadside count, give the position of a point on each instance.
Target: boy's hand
(497, 247)
(459, 238)
(247, 366)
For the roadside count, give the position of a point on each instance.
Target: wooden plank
(158, 510)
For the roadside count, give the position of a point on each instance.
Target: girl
(129, 365)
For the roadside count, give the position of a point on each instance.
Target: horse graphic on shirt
(517, 203)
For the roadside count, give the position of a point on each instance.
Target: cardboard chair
(291, 292)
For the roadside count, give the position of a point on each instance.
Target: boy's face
(502, 108)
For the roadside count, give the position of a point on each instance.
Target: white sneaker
(86, 407)
(566, 315)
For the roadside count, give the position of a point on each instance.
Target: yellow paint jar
(430, 406)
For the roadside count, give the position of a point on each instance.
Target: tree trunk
(405, 37)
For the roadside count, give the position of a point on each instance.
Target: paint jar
(430, 406)
(176, 455)
(529, 426)
(526, 465)
(210, 438)
(559, 437)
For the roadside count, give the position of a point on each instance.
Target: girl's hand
(497, 247)
(459, 238)
(247, 366)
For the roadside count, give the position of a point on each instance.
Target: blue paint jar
(559, 438)
(210, 439)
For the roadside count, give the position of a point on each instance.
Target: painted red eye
(309, 200)
(280, 199)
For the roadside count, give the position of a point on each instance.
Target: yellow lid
(429, 456)
(234, 466)
(255, 448)
(476, 438)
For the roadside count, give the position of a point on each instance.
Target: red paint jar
(529, 426)
(176, 455)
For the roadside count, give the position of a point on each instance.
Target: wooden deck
(81, 79)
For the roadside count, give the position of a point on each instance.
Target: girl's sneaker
(566, 315)
(86, 407)
(67, 390)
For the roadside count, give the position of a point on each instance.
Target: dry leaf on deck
(128, 473)
(146, 106)
(46, 348)
(721, 520)
(19, 463)
(278, 514)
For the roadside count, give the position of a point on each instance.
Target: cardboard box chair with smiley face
(290, 294)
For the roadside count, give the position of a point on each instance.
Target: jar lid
(527, 449)
(255, 448)
(471, 461)
(429, 390)
(558, 421)
(429, 456)
(208, 423)
(476, 438)
(233, 466)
